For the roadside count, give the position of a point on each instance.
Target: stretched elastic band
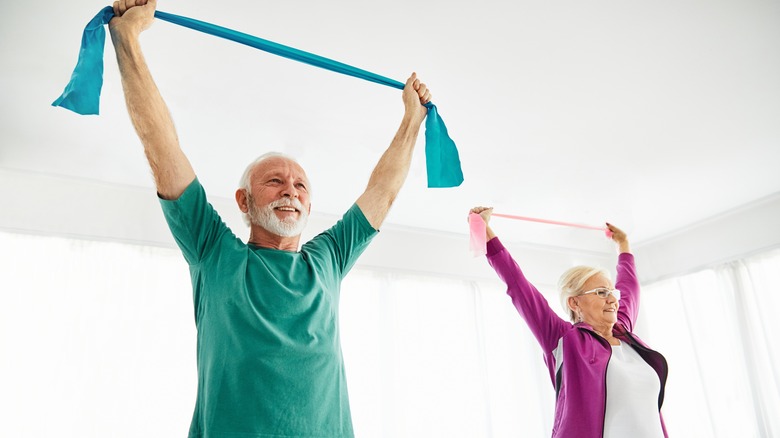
(477, 227)
(82, 94)
(549, 221)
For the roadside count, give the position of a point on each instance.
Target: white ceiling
(652, 115)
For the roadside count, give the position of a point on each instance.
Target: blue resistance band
(82, 94)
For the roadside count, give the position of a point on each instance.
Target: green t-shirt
(269, 354)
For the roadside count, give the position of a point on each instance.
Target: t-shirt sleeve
(344, 242)
(194, 223)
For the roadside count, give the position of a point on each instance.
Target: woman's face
(594, 310)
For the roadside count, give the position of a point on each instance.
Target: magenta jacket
(575, 355)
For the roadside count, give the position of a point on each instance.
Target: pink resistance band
(477, 227)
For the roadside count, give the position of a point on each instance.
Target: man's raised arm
(390, 173)
(152, 121)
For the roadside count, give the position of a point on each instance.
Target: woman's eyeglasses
(603, 292)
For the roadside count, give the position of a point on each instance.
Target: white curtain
(437, 357)
(97, 339)
(718, 329)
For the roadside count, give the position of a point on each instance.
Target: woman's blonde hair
(571, 282)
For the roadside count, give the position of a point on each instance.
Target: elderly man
(269, 355)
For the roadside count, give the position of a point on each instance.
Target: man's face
(279, 199)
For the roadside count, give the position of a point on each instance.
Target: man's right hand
(133, 15)
(415, 96)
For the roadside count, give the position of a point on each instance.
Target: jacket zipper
(593, 357)
(604, 412)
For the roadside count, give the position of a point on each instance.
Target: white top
(632, 396)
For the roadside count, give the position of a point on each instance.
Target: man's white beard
(266, 218)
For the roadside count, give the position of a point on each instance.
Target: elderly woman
(607, 382)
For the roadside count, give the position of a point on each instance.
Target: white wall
(744, 231)
(53, 205)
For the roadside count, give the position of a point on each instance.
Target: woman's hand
(485, 213)
(620, 237)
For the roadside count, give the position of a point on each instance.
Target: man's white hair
(244, 183)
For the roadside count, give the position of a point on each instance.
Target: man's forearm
(151, 119)
(391, 170)
(390, 173)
